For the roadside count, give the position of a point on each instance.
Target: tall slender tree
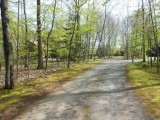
(40, 51)
(154, 29)
(7, 44)
(49, 34)
(78, 6)
(143, 28)
(18, 38)
(70, 43)
(26, 37)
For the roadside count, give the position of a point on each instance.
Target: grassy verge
(28, 92)
(147, 86)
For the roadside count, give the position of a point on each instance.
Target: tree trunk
(40, 52)
(78, 5)
(18, 41)
(53, 19)
(26, 36)
(154, 28)
(143, 39)
(70, 45)
(8, 49)
(94, 45)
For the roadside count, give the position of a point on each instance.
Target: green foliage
(62, 52)
(142, 64)
(145, 65)
(117, 53)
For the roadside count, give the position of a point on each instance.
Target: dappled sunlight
(40, 86)
(68, 59)
(98, 93)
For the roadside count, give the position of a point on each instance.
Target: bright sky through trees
(118, 8)
(121, 8)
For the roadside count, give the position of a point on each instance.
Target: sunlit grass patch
(8, 97)
(11, 96)
(148, 87)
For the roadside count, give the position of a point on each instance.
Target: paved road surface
(98, 94)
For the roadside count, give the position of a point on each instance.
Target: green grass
(147, 85)
(11, 96)
(8, 97)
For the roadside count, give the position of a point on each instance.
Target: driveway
(100, 93)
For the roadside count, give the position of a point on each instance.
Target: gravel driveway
(100, 93)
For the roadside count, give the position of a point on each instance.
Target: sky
(118, 8)
(121, 8)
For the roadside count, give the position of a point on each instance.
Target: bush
(138, 63)
(145, 65)
(142, 64)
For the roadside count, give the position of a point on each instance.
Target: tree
(70, 43)
(78, 6)
(143, 39)
(18, 38)
(40, 51)
(7, 44)
(26, 35)
(49, 34)
(154, 30)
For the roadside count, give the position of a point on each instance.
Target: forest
(45, 35)
(112, 46)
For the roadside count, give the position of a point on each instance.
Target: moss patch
(147, 86)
